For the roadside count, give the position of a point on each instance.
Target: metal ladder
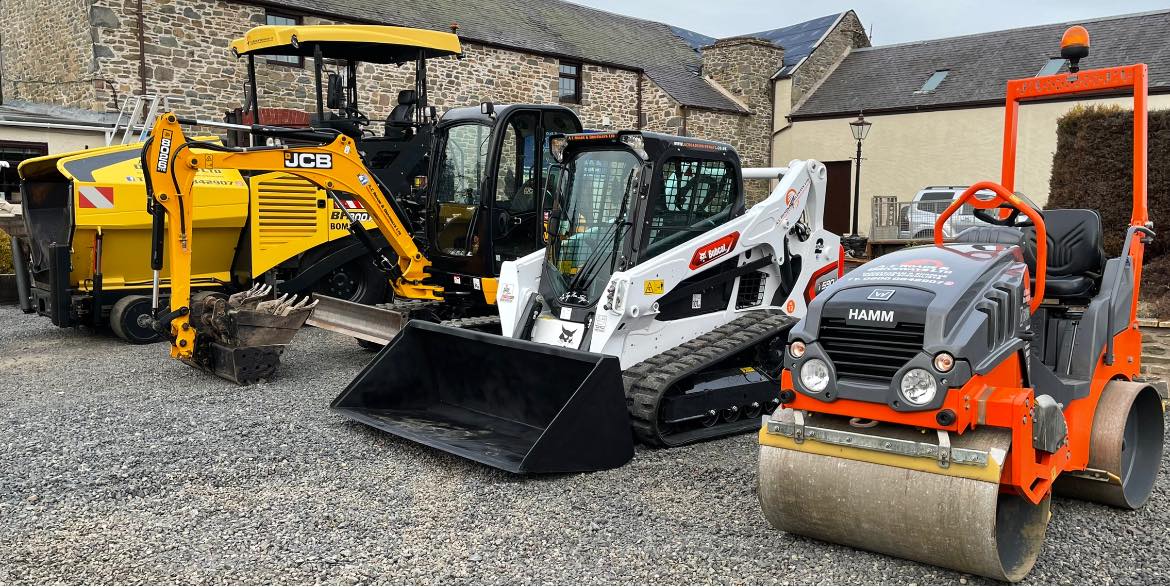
(136, 118)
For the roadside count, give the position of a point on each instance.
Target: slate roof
(799, 39)
(551, 27)
(695, 40)
(886, 78)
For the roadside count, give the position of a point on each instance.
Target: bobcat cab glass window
(694, 196)
(461, 167)
(589, 223)
(517, 201)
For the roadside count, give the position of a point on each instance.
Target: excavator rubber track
(648, 382)
(431, 309)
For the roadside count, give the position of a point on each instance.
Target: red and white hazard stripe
(352, 204)
(95, 197)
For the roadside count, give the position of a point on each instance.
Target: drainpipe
(771, 120)
(639, 109)
(141, 50)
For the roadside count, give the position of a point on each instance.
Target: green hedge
(1093, 168)
(5, 253)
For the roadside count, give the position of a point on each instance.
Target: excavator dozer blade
(370, 323)
(512, 404)
(881, 488)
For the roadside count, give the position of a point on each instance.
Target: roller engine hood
(898, 311)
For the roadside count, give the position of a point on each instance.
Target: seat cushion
(1077, 286)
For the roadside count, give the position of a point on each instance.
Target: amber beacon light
(1074, 46)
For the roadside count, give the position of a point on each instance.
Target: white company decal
(308, 161)
(871, 315)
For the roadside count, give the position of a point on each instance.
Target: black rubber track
(649, 381)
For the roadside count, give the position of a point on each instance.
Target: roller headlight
(944, 362)
(918, 387)
(814, 375)
(796, 349)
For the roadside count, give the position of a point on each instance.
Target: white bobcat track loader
(660, 302)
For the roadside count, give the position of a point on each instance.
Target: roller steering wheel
(1000, 200)
(1010, 220)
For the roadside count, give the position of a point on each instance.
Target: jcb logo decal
(308, 161)
(164, 152)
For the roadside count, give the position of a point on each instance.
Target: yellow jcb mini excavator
(241, 337)
(935, 398)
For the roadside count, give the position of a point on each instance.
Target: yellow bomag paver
(89, 238)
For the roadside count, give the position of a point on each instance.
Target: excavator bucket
(245, 334)
(512, 404)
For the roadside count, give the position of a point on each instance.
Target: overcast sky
(892, 21)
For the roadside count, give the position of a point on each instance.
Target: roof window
(1051, 67)
(933, 81)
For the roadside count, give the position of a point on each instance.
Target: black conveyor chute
(516, 405)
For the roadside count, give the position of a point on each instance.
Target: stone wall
(743, 67)
(1156, 349)
(188, 61)
(47, 50)
(849, 34)
(662, 112)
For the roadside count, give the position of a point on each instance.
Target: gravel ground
(122, 466)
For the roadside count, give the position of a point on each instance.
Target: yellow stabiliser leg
(906, 506)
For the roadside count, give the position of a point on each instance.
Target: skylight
(933, 81)
(1051, 67)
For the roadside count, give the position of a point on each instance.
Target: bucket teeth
(305, 305)
(250, 296)
(272, 306)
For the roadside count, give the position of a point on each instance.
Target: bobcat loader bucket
(512, 404)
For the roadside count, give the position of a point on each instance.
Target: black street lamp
(859, 128)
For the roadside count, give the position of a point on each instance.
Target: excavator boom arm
(171, 162)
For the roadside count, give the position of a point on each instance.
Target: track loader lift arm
(170, 163)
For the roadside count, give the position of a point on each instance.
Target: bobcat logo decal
(567, 335)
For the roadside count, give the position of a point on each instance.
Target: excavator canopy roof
(367, 43)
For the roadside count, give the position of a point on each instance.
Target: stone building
(937, 109)
(616, 71)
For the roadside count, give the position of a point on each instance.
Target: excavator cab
(491, 169)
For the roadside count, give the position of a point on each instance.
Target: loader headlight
(556, 146)
(814, 375)
(918, 387)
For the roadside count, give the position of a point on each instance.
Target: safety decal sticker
(653, 287)
(506, 295)
(95, 197)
